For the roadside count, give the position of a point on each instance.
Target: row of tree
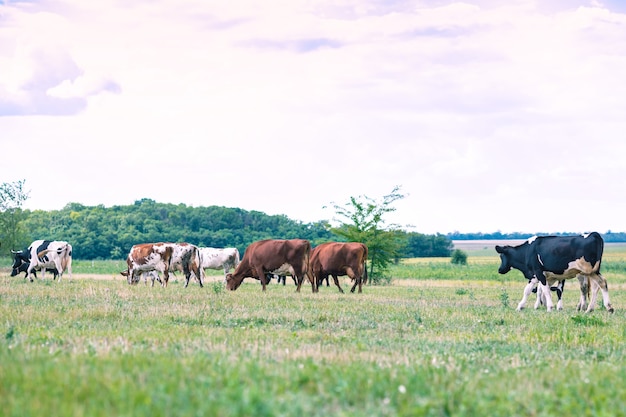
(608, 236)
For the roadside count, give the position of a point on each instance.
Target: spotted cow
(163, 257)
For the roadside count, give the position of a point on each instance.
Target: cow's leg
(313, 281)
(599, 283)
(357, 281)
(559, 294)
(166, 277)
(263, 278)
(540, 298)
(527, 291)
(300, 280)
(584, 292)
(545, 288)
(354, 277)
(59, 268)
(198, 274)
(68, 265)
(336, 281)
(31, 270)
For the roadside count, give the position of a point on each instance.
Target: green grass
(442, 340)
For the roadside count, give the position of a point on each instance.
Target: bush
(459, 257)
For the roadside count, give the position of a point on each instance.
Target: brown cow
(339, 258)
(163, 257)
(281, 257)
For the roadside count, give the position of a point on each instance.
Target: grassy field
(441, 340)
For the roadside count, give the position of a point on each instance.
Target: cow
(42, 255)
(270, 256)
(163, 257)
(545, 260)
(218, 258)
(339, 258)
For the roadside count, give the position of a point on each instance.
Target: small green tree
(365, 224)
(459, 257)
(12, 197)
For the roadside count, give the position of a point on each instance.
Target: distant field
(487, 247)
(483, 247)
(441, 340)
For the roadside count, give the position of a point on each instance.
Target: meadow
(440, 340)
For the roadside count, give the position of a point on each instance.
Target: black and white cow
(42, 255)
(545, 260)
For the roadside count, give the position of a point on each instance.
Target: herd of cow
(546, 262)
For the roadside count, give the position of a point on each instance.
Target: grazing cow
(339, 258)
(163, 257)
(42, 255)
(216, 258)
(548, 259)
(281, 257)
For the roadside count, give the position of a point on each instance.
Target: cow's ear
(125, 273)
(499, 249)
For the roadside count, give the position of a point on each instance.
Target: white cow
(217, 258)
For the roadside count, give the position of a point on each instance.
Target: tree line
(99, 232)
(608, 236)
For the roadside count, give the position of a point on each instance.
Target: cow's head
(21, 262)
(505, 259)
(132, 280)
(233, 283)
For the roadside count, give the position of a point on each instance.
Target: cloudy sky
(490, 115)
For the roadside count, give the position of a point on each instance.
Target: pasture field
(441, 340)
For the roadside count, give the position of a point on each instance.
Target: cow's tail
(200, 268)
(237, 258)
(307, 269)
(365, 254)
(364, 271)
(66, 259)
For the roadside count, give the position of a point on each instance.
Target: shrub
(459, 257)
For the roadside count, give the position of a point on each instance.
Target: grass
(442, 340)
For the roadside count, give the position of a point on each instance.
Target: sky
(489, 115)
